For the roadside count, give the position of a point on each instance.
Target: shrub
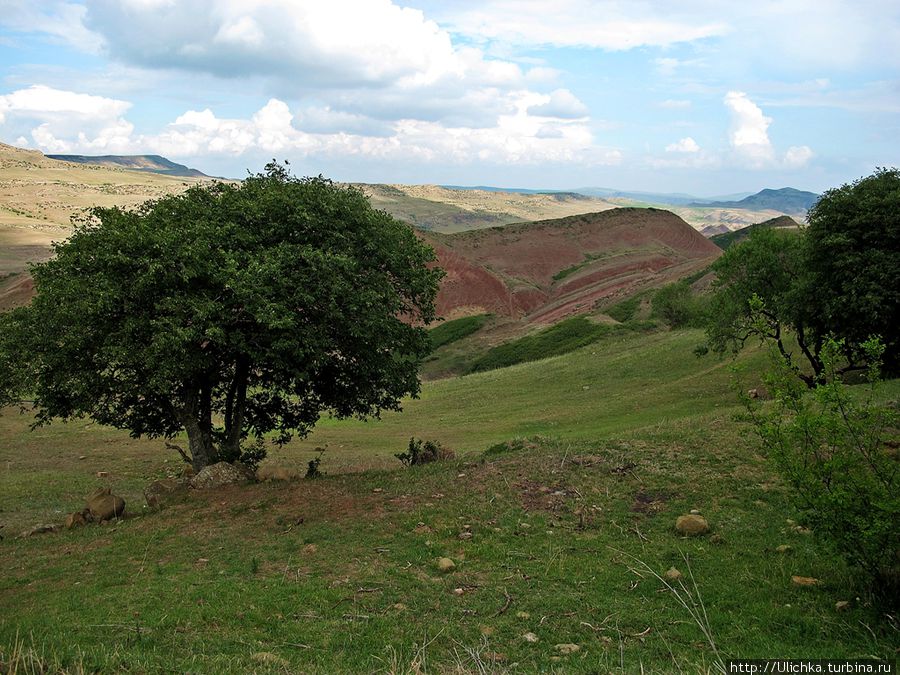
(420, 452)
(312, 466)
(457, 329)
(838, 452)
(677, 306)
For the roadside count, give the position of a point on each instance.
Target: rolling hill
(151, 163)
(548, 270)
(787, 200)
(727, 239)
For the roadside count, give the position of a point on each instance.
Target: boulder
(446, 565)
(103, 505)
(222, 473)
(691, 525)
(161, 492)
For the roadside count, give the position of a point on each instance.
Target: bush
(457, 329)
(564, 337)
(838, 452)
(677, 306)
(420, 452)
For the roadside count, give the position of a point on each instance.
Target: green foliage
(760, 291)
(833, 448)
(566, 336)
(419, 452)
(677, 305)
(625, 310)
(853, 253)
(563, 273)
(228, 311)
(312, 466)
(457, 329)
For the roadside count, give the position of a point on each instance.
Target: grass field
(558, 513)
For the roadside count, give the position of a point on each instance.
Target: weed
(420, 452)
(312, 466)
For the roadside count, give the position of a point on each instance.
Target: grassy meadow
(557, 512)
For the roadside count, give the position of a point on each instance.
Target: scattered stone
(399, 606)
(220, 474)
(202, 561)
(672, 574)
(567, 648)
(716, 539)
(458, 591)
(691, 525)
(161, 492)
(784, 548)
(530, 637)
(103, 505)
(422, 528)
(804, 581)
(377, 490)
(82, 457)
(74, 520)
(695, 512)
(753, 393)
(799, 529)
(39, 529)
(103, 474)
(465, 536)
(446, 565)
(842, 605)
(523, 615)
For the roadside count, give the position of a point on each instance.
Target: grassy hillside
(727, 239)
(558, 514)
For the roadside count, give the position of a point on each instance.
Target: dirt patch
(649, 502)
(536, 496)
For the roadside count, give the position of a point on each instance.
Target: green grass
(561, 338)
(457, 329)
(593, 454)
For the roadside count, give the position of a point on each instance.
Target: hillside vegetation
(728, 239)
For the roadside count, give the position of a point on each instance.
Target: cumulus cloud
(749, 136)
(686, 144)
(58, 120)
(561, 103)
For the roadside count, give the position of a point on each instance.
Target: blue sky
(705, 97)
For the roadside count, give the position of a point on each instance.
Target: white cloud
(686, 144)
(675, 104)
(561, 103)
(577, 23)
(63, 21)
(749, 137)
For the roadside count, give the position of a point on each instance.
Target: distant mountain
(726, 239)
(149, 163)
(786, 200)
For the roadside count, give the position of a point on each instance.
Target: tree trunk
(200, 440)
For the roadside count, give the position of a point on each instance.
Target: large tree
(227, 311)
(853, 254)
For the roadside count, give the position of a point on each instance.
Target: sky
(706, 97)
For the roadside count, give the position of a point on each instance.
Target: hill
(726, 239)
(547, 270)
(787, 200)
(151, 163)
(445, 209)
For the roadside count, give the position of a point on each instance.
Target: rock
(783, 548)
(161, 492)
(753, 393)
(465, 536)
(804, 581)
(716, 539)
(842, 606)
(103, 474)
(458, 591)
(81, 457)
(220, 474)
(103, 505)
(399, 606)
(446, 565)
(39, 529)
(695, 512)
(74, 520)
(692, 525)
(530, 637)
(523, 615)
(672, 574)
(567, 648)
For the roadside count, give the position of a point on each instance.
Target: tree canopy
(837, 277)
(228, 311)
